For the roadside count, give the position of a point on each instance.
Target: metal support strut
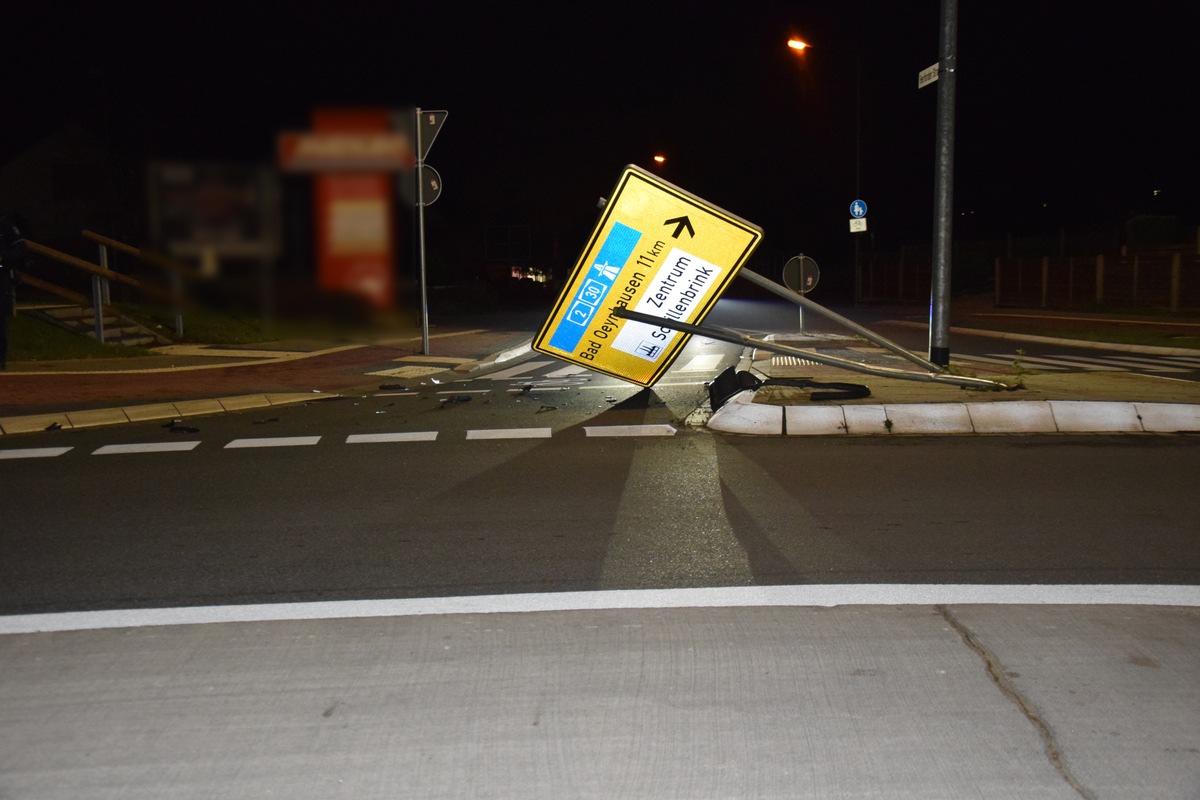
(934, 373)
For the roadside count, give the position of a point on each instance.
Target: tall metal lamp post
(801, 46)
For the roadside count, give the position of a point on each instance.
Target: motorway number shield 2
(659, 250)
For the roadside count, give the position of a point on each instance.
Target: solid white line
(1154, 366)
(1007, 362)
(395, 394)
(280, 441)
(369, 438)
(703, 363)
(1035, 360)
(147, 447)
(573, 369)
(810, 595)
(628, 430)
(511, 433)
(34, 452)
(466, 391)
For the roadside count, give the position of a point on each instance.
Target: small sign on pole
(927, 76)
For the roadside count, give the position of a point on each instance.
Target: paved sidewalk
(929, 702)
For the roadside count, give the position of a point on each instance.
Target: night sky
(1069, 116)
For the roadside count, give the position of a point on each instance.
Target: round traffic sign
(432, 185)
(800, 274)
(858, 209)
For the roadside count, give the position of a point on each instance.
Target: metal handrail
(99, 274)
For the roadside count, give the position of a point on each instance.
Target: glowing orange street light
(797, 44)
(660, 159)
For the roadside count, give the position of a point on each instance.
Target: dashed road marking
(34, 452)
(278, 441)
(510, 433)
(381, 438)
(629, 430)
(146, 447)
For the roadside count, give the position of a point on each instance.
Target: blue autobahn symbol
(858, 209)
(615, 251)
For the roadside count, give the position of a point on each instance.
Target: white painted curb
(742, 415)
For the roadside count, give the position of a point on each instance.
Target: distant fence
(1152, 281)
(1149, 281)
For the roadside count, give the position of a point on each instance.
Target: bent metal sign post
(659, 250)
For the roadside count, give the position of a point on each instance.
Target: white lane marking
(809, 595)
(1154, 366)
(370, 438)
(1056, 361)
(1007, 362)
(512, 372)
(465, 391)
(510, 433)
(395, 394)
(145, 447)
(408, 372)
(704, 363)
(34, 452)
(1184, 359)
(572, 369)
(628, 430)
(279, 441)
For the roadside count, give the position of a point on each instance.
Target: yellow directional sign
(659, 250)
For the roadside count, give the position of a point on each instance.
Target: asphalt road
(565, 510)
(523, 487)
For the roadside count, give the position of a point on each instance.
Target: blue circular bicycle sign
(858, 209)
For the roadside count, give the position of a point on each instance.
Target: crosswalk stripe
(512, 372)
(703, 363)
(1007, 362)
(1146, 364)
(567, 371)
(1119, 362)
(1053, 361)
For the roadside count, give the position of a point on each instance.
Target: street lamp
(800, 46)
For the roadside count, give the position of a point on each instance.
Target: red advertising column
(355, 236)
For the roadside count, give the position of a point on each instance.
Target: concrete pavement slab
(33, 423)
(195, 408)
(664, 703)
(97, 417)
(243, 402)
(151, 412)
(1117, 689)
